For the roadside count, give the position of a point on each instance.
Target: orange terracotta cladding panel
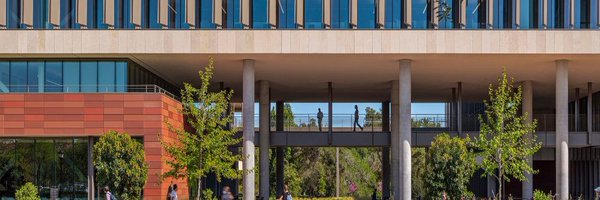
(81, 115)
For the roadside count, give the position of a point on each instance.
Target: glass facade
(52, 164)
(75, 76)
(559, 14)
(313, 14)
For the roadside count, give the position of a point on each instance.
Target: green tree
(450, 165)
(418, 172)
(505, 141)
(27, 192)
(425, 123)
(194, 154)
(372, 117)
(121, 164)
(288, 116)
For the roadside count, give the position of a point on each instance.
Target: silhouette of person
(356, 119)
(320, 120)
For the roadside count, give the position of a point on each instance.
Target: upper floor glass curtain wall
(313, 14)
(421, 14)
(393, 14)
(366, 14)
(340, 14)
(287, 14)
(475, 13)
(260, 13)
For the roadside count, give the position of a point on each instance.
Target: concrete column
(545, 14)
(517, 14)
(246, 7)
(463, 14)
(459, 111)
(407, 12)
(327, 13)
(273, 14)
(264, 130)
(279, 165)
(589, 112)
(562, 129)
(577, 112)
(380, 14)
(248, 121)
(54, 14)
(3, 12)
(395, 140)
(490, 14)
(300, 14)
(82, 7)
(27, 13)
(385, 152)
(109, 13)
(163, 12)
(405, 129)
(527, 107)
(190, 12)
(354, 14)
(90, 168)
(218, 13)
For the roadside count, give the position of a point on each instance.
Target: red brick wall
(81, 115)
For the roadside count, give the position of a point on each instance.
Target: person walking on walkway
(356, 119)
(320, 120)
(173, 194)
(286, 194)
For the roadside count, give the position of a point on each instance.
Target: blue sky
(348, 108)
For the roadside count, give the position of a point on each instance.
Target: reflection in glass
(54, 77)
(287, 14)
(35, 77)
(121, 76)
(260, 13)
(476, 14)
(313, 16)
(234, 13)
(89, 76)
(421, 14)
(366, 14)
(18, 76)
(393, 14)
(106, 76)
(206, 14)
(4, 76)
(340, 14)
(71, 76)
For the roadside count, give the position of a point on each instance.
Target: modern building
(73, 69)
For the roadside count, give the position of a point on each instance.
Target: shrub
(540, 195)
(120, 164)
(27, 192)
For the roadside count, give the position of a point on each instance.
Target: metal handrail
(92, 88)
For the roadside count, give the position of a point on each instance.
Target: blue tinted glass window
(582, 14)
(503, 14)
(71, 76)
(54, 77)
(313, 16)
(40, 13)
(234, 15)
(121, 76)
(106, 76)
(366, 14)
(153, 14)
(66, 11)
(420, 14)
(446, 14)
(556, 13)
(530, 14)
(18, 76)
(35, 76)
(4, 76)
(593, 5)
(13, 14)
(100, 14)
(340, 14)
(89, 76)
(260, 14)
(287, 14)
(206, 14)
(393, 14)
(474, 14)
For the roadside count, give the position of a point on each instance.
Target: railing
(148, 88)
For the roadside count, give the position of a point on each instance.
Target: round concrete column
(395, 140)
(248, 121)
(562, 129)
(527, 186)
(405, 130)
(264, 139)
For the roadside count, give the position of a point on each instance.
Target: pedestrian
(286, 194)
(374, 195)
(226, 194)
(597, 192)
(169, 190)
(109, 196)
(356, 119)
(320, 120)
(173, 194)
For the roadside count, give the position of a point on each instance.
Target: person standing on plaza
(173, 194)
(320, 120)
(226, 194)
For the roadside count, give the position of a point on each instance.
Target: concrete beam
(562, 129)
(248, 121)
(264, 130)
